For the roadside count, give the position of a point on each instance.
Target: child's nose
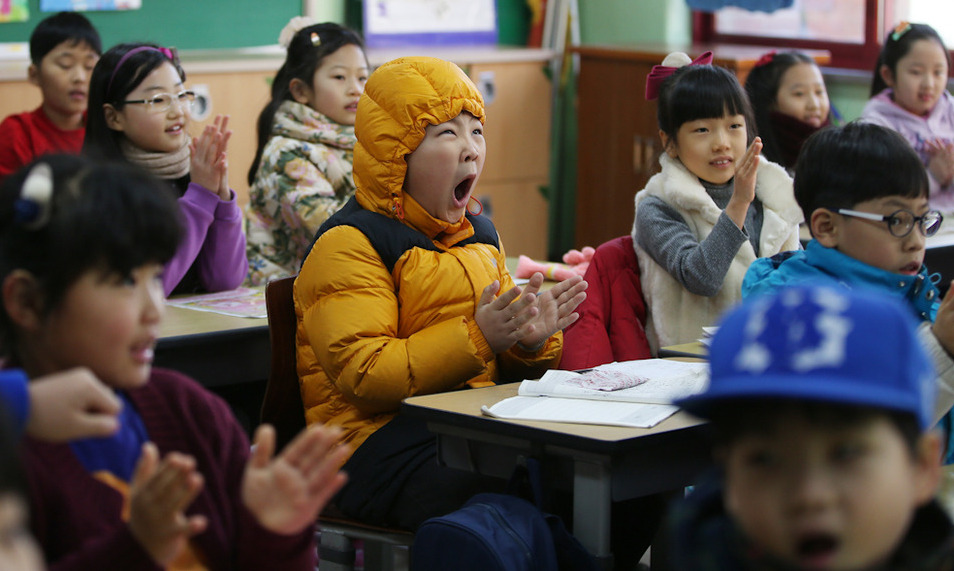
(471, 150)
(811, 488)
(154, 303)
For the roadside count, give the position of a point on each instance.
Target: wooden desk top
(181, 322)
(466, 404)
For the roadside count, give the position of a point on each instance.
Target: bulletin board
(184, 24)
(389, 23)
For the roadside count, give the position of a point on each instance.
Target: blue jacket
(14, 396)
(816, 264)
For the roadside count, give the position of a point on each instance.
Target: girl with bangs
(714, 208)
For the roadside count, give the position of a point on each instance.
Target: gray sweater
(699, 266)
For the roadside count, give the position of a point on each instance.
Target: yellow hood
(400, 99)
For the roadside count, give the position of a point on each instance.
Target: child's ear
(886, 75)
(927, 466)
(824, 227)
(22, 299)
(668, 145)
(300, 91)
(33, 74)
(114, 119)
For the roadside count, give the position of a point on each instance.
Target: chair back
(282, 406)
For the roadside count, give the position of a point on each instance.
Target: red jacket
(612, 319)
(26, 136)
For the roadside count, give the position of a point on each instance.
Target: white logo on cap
(819, 321)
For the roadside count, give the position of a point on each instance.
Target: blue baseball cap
(821, 344)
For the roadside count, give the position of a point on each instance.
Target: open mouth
(911, 268)
(816, 550)
(462, 190)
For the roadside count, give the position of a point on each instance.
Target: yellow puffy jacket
(386, 297)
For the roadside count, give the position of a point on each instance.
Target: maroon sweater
(76, 517)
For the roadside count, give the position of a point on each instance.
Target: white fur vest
(674, 314)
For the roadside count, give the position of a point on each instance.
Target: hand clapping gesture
(159, 494)
(288, 492)
(209, 166)
(941, 161)
(530, 317)
(743, 186)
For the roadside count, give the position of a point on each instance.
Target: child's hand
(500, 318)
(71, 404)
(209, 166)
(556, 310)
(743, 185)
(941, 161)
(943, 327)
(158, 497)
(287, 493)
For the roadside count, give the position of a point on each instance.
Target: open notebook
(632, 393)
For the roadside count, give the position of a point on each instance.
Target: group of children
(822, 398)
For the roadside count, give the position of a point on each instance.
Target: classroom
(359, 356)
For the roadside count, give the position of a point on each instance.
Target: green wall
(207, 24)
(627, 21)
(185, 24)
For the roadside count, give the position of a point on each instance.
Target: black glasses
(902, 222)
(162, 102)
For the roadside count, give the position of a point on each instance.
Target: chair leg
(335, 552)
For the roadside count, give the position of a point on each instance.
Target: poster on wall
(389, 23)
(88, 5)
(14, 11)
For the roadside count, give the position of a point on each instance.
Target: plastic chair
(384, 548)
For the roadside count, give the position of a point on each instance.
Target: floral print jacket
(304, 177)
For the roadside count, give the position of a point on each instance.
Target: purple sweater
(938, 124)
(213, 240)
(76, 517)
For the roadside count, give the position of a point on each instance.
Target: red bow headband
(170, 53)
(766, 59)
(660, 72)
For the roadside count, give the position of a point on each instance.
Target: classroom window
(852, 30)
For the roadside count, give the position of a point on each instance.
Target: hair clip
(659, 73)
(170, 53)
(32, 208)
(315, 39)
(291, 29)
(899, 30)
(766, 59)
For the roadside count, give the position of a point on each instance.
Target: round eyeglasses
(902, 222)
(162, 102)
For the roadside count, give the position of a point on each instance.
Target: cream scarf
(167, 166)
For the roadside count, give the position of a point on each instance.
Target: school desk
(599, 464)
(216, 350)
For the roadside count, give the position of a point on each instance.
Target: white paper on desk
(581, 411)
(667, 381)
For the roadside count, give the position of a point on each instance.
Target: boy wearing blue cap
(821, 400)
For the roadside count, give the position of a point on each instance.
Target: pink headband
(168, 52)
(660, 72)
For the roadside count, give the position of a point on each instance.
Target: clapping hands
(209, 166)
(941, 161)
(286, 493)
(528, 316)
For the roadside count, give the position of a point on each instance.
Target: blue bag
(501, 532)
(491, 531)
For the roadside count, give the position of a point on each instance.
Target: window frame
(843, 55)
